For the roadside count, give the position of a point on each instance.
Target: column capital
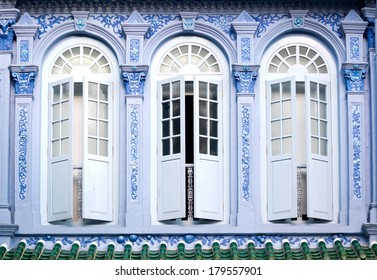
(245, 77)
(23, 77)
(134, 78)
(354, 75)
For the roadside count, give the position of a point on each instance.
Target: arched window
(299, 141)
(80, 141)
(190, 133)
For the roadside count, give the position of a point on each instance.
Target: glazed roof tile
(353, 251)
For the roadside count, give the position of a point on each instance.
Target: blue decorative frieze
(24, 51)
(48, 21)
(113, 22)
(245, 150)
(333, 20)
(222, 22)
(6, 34)
(265, 20)
(134, 50)
(190, 240)
(134, 161)
(245, 79)
(245, 49)
(22, 152)
(356, 148)
(24, 82)
(134, 79)
(157, 22)
(355, 48)
(354, 76)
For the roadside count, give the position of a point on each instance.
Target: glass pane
(176, 145)
(314, 126)
(92, 109)
(176, 89)
(213, 110)
(103, 129)
(104, 111)
(275, 129)
(322, 92)
(183, 59)
(203, 145)
(56, 112)
(92, 146)
(103, 148)
(313, 90)
(276, 149)
(64, 146)
(103, 92)
(322, 111)
(166, 128)
(166, 92)
(166, 147)
(287, 109)
(56, 148)
(292, 50)
(287, 127)
(323, 129)
(275, 92)
(203, 111)
(176, 126)
(283, 53)
(275, 111)
(213, 129)
(203, 127)
(203, 90)
(166, 110)
(213, 147)
(286, 90)
(56, 130)
(314, 109)
(56, 94)
(65, 113)
(65, 88)
(176, 108)
(92, 127)
(92, 90)
(213, 92)
(323, 147)
(315, 144)
(189, 87)
(287, 145)
(65, 129)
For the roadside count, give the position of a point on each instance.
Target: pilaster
(134, 79)
(245, 77)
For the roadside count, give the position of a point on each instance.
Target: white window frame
(265, 78)
(48, 79)
(154, 140)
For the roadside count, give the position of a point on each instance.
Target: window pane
(213, 147)
(65, 88)
(103, 111)
(64, 146)
(189, 87)
(203, 90)
(287, 145)
(176, 108)
(176, 89)
(92, 146)
(65, 129)
(92, 127)
(165, 110)
(287, 109)
(213, 110)
(203, 111)
(103, 92)
(166, 147)
(65, 113)
(56, 148)
(286, 90)
(176, 126)
(166, 92)
(56, 112)
(213, 92)
(287, 127)
(314, 109)
(166, 128)
(275, 111)
(322, 111)
(92, 90)
(213, 129)
(275, 92)
(276, 149)
(56, 130)
(313, 90)
(92, 109)
(323, 129)
(323, 147)
(203, 145)
(315, 144)
(176, 145)
(56, 93)
(103, 148)
(314, 126)
(275, 129)
(203, 127)
(322, 92)
(103, 129)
